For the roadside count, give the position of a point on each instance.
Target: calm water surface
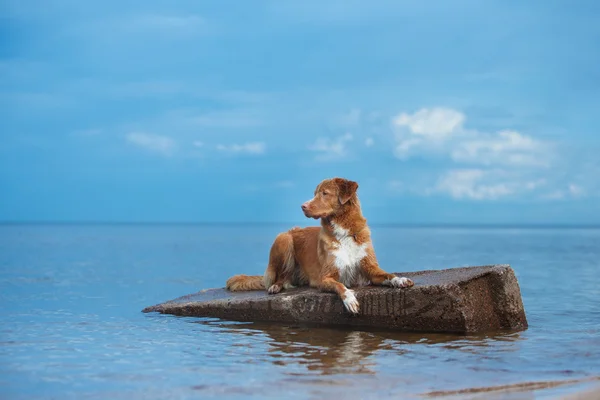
(71, 325)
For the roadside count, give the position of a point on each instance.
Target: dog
(334, 257)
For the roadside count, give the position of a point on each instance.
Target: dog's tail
(281, 268)
(239, 283)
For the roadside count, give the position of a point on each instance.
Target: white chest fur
(348, 255)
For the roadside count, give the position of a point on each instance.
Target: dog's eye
(325, 193)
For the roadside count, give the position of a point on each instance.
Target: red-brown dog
(333, 257)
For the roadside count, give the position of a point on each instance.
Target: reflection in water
(328, 351)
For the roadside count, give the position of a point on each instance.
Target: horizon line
(272, 223)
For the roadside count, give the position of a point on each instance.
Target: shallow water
(71, 325)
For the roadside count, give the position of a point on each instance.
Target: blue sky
(477, 112)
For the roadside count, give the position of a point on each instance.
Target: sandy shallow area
(570, 389)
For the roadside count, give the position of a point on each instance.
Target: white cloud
(480, 184)
(441, 131)
(480, 165)
(198, 143)
(468, 184)
(505, 147)
(369, 142)
(427, 130)
(431, 123)
(328, 148)
(156, 143)
(254, 148)
(572, 191)
(404, 147)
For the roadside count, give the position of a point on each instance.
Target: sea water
(71, 325)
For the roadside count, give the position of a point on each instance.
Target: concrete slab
(461, 300)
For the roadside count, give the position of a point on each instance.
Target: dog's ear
(347, 189)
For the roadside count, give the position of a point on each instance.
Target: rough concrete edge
(506, 299)
(455, 292)
(487, 268)
(491, 268)
(163, 308)
(179, 301)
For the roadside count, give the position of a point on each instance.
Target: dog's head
(331, 197)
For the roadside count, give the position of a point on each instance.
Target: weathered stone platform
(462, 300)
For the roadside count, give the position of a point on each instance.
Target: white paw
(274, 289)
(399, 282)
(350, 301)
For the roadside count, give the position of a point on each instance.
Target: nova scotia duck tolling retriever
(334, 257)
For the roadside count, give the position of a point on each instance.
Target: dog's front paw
(400, 282)
(274, 289)
(350, 301)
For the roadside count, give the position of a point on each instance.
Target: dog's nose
(304, 207)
